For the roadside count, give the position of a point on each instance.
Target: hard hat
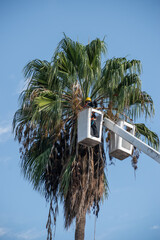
(88, 99)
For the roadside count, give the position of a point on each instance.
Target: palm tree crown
(46, 124)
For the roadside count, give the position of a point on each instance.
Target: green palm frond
(66, 177)
(34, 167)
(94, 51)
(146, 134)
(37, 71)
(141, 104)
(115, 75)
(116, 69)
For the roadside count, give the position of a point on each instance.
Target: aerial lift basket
(120, 148)
(85, 135)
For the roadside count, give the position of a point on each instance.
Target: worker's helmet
(88, 99)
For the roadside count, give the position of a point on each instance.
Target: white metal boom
(132, 139)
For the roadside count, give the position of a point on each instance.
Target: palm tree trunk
(80, 227)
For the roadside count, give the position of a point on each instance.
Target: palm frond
(146, 134)
(65, 178)
(34, 167)
(140, 104)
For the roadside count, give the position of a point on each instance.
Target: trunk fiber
(80, 227)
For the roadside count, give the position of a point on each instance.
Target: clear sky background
(32, 29)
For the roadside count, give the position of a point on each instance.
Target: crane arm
(132, 139)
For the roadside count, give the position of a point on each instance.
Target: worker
(94, 131)
(88, 102)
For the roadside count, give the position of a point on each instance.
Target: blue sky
(32, 29)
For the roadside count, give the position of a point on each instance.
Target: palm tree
(46, 125)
